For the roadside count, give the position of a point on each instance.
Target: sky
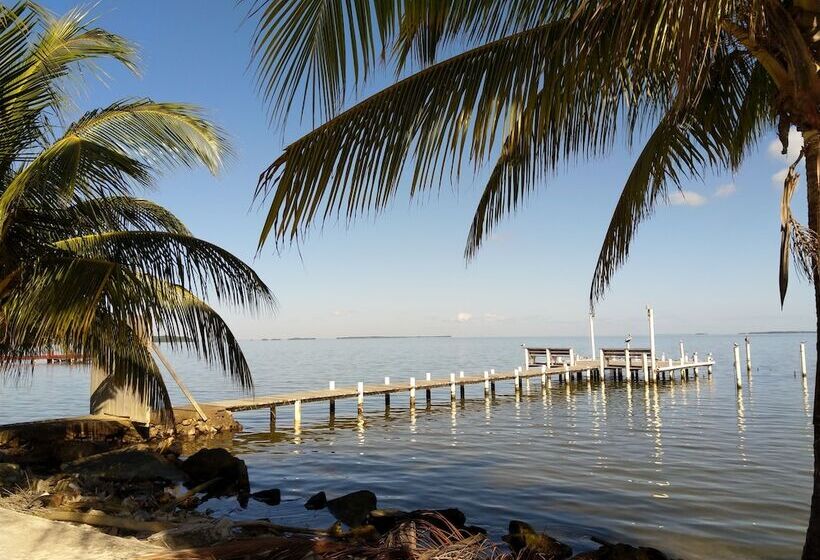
(706, 262)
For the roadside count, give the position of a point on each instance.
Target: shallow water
(694, 468)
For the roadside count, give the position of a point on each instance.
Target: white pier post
(492, 382)
(748, 355)
(387, 395)
(412, 392)
(592, 334)
(601, 365)
(571, 357)
(461, 385)
(517, 380)
(566, 373)
(526, 357)
(427, 393)
(645, 367)
(803, 358)
(627, 364)
(486, 383)
(297, 414)
(695, 359)
(332, 386)
(709, 367)
(737, 366)
(549, 358)
(360, 397)
(543, 376)
(652, 360)
(452, 387)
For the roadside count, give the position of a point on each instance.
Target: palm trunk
(811, 147)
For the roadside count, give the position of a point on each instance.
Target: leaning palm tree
(528, 85)
(84, 264)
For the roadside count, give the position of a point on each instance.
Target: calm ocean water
(694, 468)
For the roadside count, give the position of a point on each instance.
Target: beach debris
(621, 551)
(523, 540)
(11, 475)
(196, 534)
(317, 501)
(208, 464)
(352, 509)
(126, 465)
(271, 497)
(387, 520)
(100, 519)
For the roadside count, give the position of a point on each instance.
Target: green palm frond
(113, 213)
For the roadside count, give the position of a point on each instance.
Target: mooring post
(427, 392)
(571, 357)
(748, 354)
(549, 358)
(543, 376)
(652, 362)
(737, 366)
(492, 383)
(452, 387)
(566, 373)
(486, 383)
(709, 367)
(516, 380)
(412, 392)
(601, 365)
(387, 395)
(273, 418)
(332, 403)
(695, 359)
(627, 364)
(360, 397)
(297, 414)
(526, 356)
(461, 385)
(803, 358)
(645, 367)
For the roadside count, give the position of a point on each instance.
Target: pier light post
(360, 397)
(748, 354)
(332, 403)
(428, 395)
(452, 386)
(803, 358)
(651, 314)
(412, 392)
(737, 366)
(592, 333)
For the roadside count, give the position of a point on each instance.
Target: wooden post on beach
(652, 361)
(486, 383)
(428, 395)
(803, 358)
(360, 397)
(645, 367)
(387, 395)
(737, 366)
(748, 354)
(452, 387)
(332, 387)
(412, 392)
(461, 385)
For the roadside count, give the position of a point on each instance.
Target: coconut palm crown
(85, 265)
(527, 86)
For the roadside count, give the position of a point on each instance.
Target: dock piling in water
(387, 395)
(427, 394)
(412, 392)
(748, 354)
(737, 366)
(803, 358)
(452, 386)
(360, 397)
(332, 402)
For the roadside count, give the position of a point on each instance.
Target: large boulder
(525, 541)
(230, 472)
(271, 497)
(352, 509)
(316, 501)
(621, 551)
(126, 465)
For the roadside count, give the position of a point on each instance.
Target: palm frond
(114, 213)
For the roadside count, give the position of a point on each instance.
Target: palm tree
(84, 264)
(528, 85)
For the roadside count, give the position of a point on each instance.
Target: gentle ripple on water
(693, 468)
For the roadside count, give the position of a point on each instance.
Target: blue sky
(706, 262)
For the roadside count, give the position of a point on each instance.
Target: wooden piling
(428, 395)
(272, 418)
(652, 360)
(492, 383)
(627, 365)
(332, 402)
(737, 366)
(526, 357)
(412, 392)
(566, 373)
(452, 386)
(297, 414)
(709, 367)
(360, 397)
(543, 376)
(486, 383)
(748, 354)
(461, 385)
(645, 367)
(517, 380)
(601, 366)
(695, 359)
(387, 395)
(803, 358)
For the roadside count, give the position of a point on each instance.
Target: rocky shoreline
(146, 488)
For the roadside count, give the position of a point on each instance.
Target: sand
(26, 537)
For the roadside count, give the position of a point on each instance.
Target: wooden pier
(622, 365)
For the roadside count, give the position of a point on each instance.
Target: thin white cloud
(795, 144)
(779, 177)
(463, 317)
(724, 191)
(687, 198)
